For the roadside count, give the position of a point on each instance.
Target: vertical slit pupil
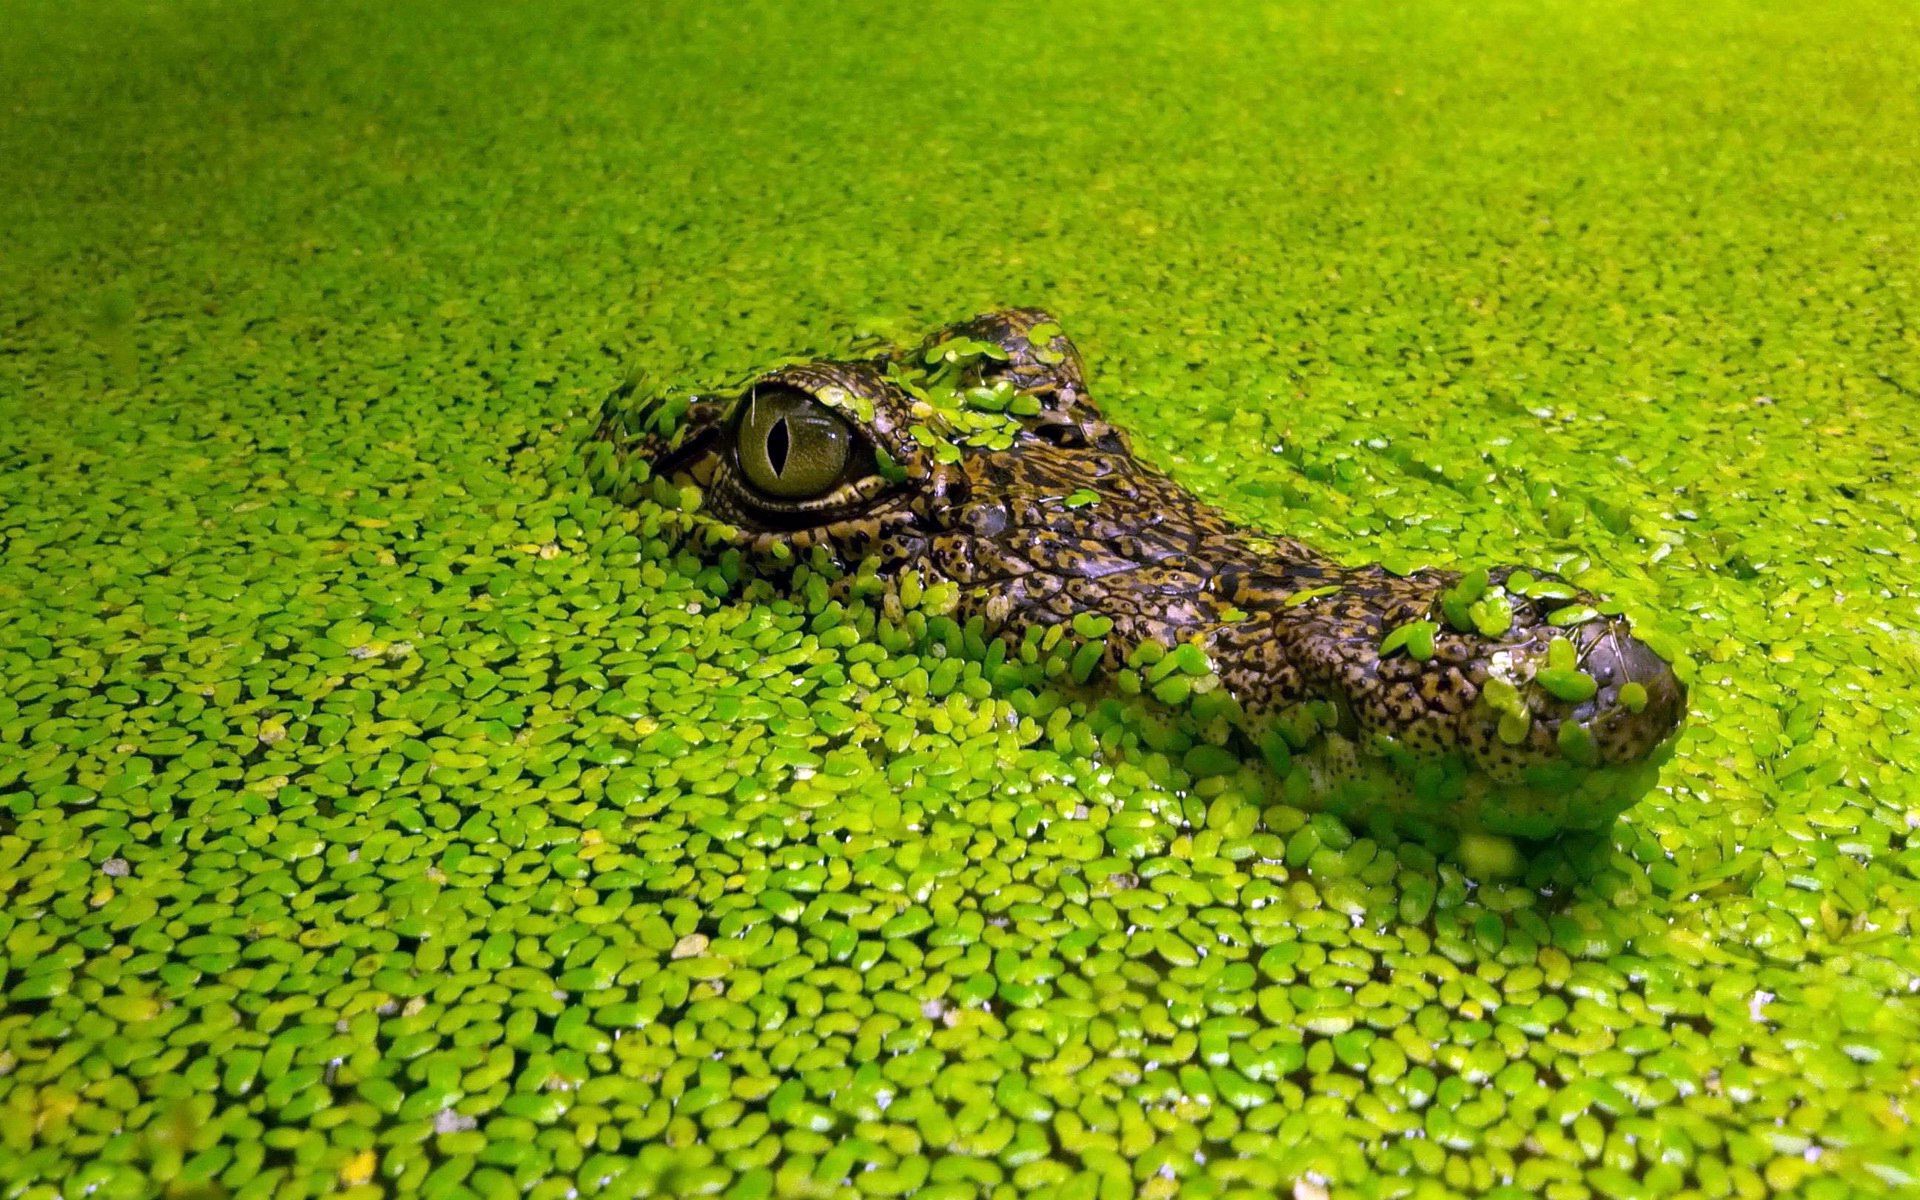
(779, 443)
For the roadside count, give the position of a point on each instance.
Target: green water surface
(382, 812)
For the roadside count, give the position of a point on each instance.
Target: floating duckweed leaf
(1513, 727)
(1092, 625)
(1456, 603)
(889, 469)
(962, 349)
(1567, 683)
(1502, 696)
(1491, 614)
(1081, 497)
(1308, 595)
(1573, 614)
(1146, 654)
(1577, 744)
(1085, 660)
(1401, 563)
(1415, 637)
(1188, 658)
(1173, 691)
(1491, 857)
(993, 399)
(1524, 583)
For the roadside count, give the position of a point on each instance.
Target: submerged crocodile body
(1506, 701)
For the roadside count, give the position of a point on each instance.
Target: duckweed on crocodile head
(382, 811)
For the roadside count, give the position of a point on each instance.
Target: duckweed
(1415, 637)
(384, 812)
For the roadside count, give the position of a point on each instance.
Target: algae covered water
(382, 811)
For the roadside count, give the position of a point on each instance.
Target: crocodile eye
(790, 447)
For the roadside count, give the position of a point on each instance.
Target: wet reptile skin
(1283, 625)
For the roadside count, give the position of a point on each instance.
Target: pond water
(382, 809)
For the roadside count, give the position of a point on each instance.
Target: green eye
(791, 447)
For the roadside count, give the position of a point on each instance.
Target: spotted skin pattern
(1063, 521)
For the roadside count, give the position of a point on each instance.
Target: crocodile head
(977, 466)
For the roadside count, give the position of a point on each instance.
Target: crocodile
(976, 467)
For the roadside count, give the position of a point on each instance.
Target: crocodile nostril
(1616, 658)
